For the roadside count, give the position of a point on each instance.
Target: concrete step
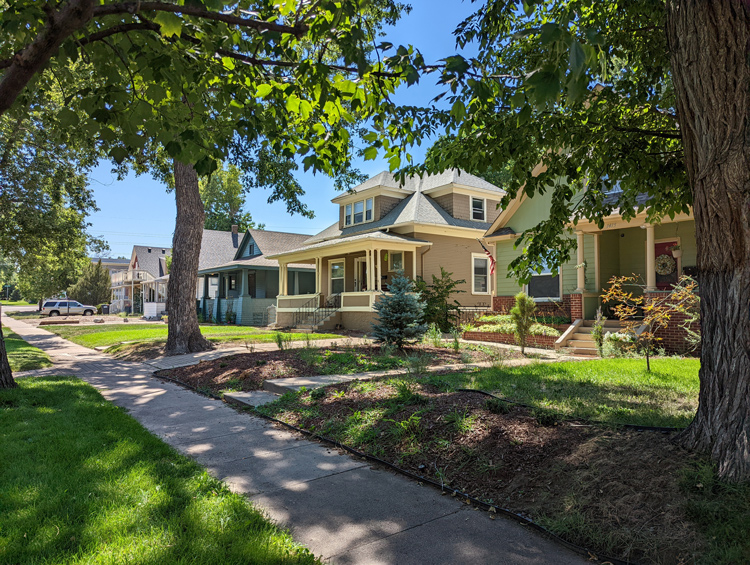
(581, 344)
(582, 337)
(585, 351)
(607, 324)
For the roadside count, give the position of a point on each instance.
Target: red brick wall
(673, 338)
(576, 306)
(503, 304)
(546, 342)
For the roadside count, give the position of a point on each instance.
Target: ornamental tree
(645, 98)
(192, 78)
(399, 313)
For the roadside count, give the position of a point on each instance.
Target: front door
(666, 265)
(360, 274)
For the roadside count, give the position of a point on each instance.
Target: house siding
(454, 254)
(383, 205)
(446, 202)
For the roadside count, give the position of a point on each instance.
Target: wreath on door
(665, 265)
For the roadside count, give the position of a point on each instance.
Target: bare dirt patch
(615, 491)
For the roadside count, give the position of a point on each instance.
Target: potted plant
(676, 251)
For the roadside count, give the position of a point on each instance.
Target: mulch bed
(617, 491)
(247, 371)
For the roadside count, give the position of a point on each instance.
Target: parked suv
(65, 307)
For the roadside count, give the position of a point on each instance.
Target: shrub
(598, 331)
(399, 314)
(522, 315)
(434, 336)
(439, 308)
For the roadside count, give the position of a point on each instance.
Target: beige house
(385, 226)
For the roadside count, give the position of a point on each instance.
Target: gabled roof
(427, 182)
(151, 259)
(416, 208)
(217, 247)
(268, 243)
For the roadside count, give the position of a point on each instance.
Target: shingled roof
(428, 182)
(217, 248)
(416, 208)
(151, 259)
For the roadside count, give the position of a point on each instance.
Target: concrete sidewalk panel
(273, 470)
(255, 443)
(466, 536)
(336, 513)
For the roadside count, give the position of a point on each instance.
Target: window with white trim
(396, 261)
(358, 212)
(480, 274)
(477, 209)
(545, 285)
(337, 277)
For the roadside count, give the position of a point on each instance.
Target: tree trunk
(709, 42)
(184, 333)
(6, 376)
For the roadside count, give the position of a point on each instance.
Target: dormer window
(362, 212)
(477, 209)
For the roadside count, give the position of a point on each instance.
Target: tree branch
(122, 28)
(196, 11)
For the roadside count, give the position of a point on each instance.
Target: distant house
(241, 285)
(385, 227)
(146, 264)
(112, 265)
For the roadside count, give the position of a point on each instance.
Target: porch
(155, 297)
(350, 276)
(245, 296)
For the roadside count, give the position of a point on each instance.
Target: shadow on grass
(88, 483)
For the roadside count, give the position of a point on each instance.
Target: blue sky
(139, 211)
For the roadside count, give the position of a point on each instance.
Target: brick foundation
(673, 338)
(576, 306)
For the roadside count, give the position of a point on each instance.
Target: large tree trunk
(6, 376)
(709, 42)
(184, 333)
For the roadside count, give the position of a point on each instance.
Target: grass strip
(22, 356)
(110, 334)
(89, 485)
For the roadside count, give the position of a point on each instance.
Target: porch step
(589, 324)
(585, 351)
(582, 344)
(585, 337)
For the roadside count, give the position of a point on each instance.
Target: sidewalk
(339, 507)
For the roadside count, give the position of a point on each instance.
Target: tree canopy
(224, 200)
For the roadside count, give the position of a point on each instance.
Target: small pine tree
(522, 315)
(93, 287)
(15, 296)
(399, 313)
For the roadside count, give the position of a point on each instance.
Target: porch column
(413, 264)
(650, 258)
(379, 281)
(282, 277)
(317, 275)
(371, 270)
(581, 275)
(597, 279)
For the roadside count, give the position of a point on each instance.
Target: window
(396, 261)
(232, 282)
(359, 208)
(363, 212)
(477, 209)
(480, 274)
(250, 249)
(337, 277)
(544, 285)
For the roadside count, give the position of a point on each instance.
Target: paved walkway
(338, 506)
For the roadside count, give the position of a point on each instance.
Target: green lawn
(110, 334)
(88, 484)
(617, 391)
(22, 356)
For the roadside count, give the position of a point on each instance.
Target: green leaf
(370, 153)
(119, 154)
(263, 90)
(546, 86)
(576, 59)
(170, 24)
(458, 111)
(67, 118)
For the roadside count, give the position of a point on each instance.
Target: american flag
(492, 259)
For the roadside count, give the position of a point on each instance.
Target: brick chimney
(235, 229)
